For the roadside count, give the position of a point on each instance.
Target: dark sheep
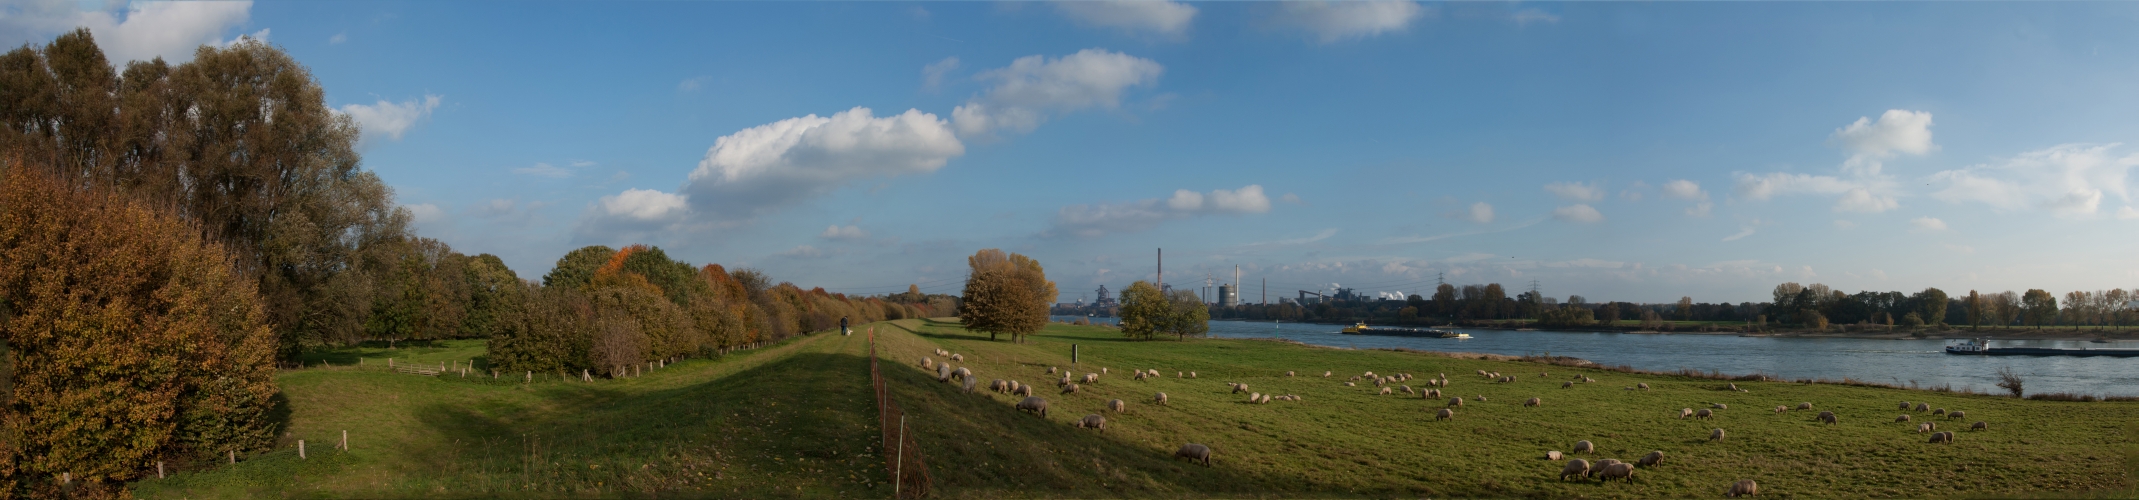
(1923, 406)
(1093, 421)
(1903, 418)
(1584, 446)
(1956, 415)
(1195, 453)
(1455, 401)
(1829, 418)
(1904, 406)
(1067, 389)
(1942, 437)
(1035, 405)
(1534, 402)
(1804, 406)
(1715, 435)
(1743, 488)
(1979, 426)
(1444, 414)
(1644, 386)
(1654, 458)
(1564, 385)
(1938, 412)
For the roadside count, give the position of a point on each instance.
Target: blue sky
(1619, 151)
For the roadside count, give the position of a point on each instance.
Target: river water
(1901, 362)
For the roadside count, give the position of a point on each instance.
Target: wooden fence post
(233, 456)
(530, 377)
(898, 474)
(345, 439)
(300, 448)
(159, 469)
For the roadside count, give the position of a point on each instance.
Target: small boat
(1982, 347)
(1361, 328)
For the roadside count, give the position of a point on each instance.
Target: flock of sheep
(1603, 469)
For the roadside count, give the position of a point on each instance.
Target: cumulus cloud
(1152, 16)
(1855, 195)
(1034, 86)
(2127, 213)
(1897, 131)
(1927, 224)
(768, 166)
(2069, 179)
(390, 118)
(847, 232)
(1480, 212)
(1091, 221)
(645, 205)
(1862, 186)
(1576, 191)
(933, 74)
(425, 212)
(142, 31)
(1742, 232)
(1334, 21)
(1578, 213)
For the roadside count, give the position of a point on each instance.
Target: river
(1900, 362)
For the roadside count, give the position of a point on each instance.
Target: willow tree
(1006, 293)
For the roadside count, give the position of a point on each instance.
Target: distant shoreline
(2047, 333)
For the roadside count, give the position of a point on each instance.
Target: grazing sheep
(1068, 389)
(1804, 406)
(1455, 401)
(1091, 378)
(1904, 406)
(1444, 414)
(1584, 446)
(1937, 412)
(1102, 369)
(1404, 388)
(1481, 398)
(1654, 458)
(1386, 391)
(928, 364)
(1191, 374)
(1289, 373)
(1238, 388)
(1481, 373)
(1266, 399)
(1179, 375)
(1781, 408)
(1923, 427)
(1118, 406)
(1956, 415)
(958, 357)
(1644, 386)
(1578, 468)
(1378, 382)
(1050, 370)
(1035, 405)
(1903, 418)
(1923, 406)
(1326, 373)
(962, 373)
(1587, 380)
(1355, 378)
(999, 386)
(1139, 376)
(1704, 413)
(1600, 464)
(1617, 471)
(1743, 488)
(1160, 398)
(1733, 387)
(1254, 397)
(1534, 402)
(1065, 380)
(1553, 455)
(1195, 452)
(1092, 421)
(1979, 426)
(1720, 406)
(1685, 412)
(943, 372)
(1829, 418)
(970, 381)
(1565, 385)
(1023, 390)
(1942, 437)
(1715, 435)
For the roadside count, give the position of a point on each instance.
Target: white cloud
(544, 170)
(2068, 179)
(848, 232)
(1480, 212)
(788, 161)
(1862, 200)
(692, 84)
(1691, 191)
(932, 75)
(1576, 191)
(1291, 198)
(2127, 213)
(1897, 130)
(1090, 221)
(1155, 16)
(392, 119)
(338, 39)
(1742, 232)
(144, 31)
(1323, 235)
(582, 163)
(1578, 213)
(1927, 224)
(1856, 195)
(1032, 86)
(644, 205)
(1333, 21)
(425, 212)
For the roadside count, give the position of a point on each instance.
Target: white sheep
(1033, 404)
(1091, 378)
(1654, 458)
(1444, 414)
(1385, 391)
(1160, 398)
(1195, 453)
(928, 364)
(1704, 413)
(1743, 488)
(1092, 421)
(1070, 388)
(1644, 386)
(1804, 406)
(1578, 468)
(1617, 471)
(1715, 435)
(1584, 446)
(1685, 412)
(1534, 402)
(1553, 455)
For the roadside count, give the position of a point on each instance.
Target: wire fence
(902, 456)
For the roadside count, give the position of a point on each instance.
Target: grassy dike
(796, 420)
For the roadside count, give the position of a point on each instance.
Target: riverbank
(1838, 331)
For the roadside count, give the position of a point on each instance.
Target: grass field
(796, 420)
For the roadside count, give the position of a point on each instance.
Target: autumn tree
(1144, 311)
(2005, 308)
(1188, 315)
(2039, 305)
(1006, 293)
(1975, 304)
(1932, 304)
(130, 336)
(1685, 308)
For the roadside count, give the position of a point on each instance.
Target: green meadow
(797, 420)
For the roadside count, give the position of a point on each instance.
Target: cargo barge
(1363, 329)
(1982, 347)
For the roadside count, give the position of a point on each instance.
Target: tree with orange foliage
(1006, 293)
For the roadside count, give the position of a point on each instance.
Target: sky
(1614, 150)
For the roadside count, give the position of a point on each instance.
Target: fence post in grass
(233, 456)
(159, 469)
(300, 448)
(585, 376)
(345, 440)
(530, 377)
(1073, 354)
(389, 363)
(898, 471)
